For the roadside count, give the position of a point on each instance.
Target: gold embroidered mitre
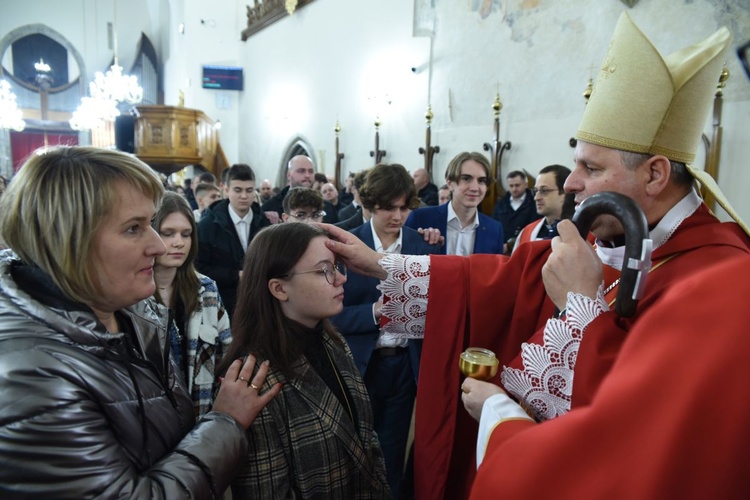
(645, 103)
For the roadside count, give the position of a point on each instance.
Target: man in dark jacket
(355, 207)
(516, 209)
(426, 190)
(226, 229)
(345, 195)
(300, 173)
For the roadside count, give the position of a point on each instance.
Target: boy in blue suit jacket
(388, 367)
(466, 230)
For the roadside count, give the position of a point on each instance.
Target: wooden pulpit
(169, 138)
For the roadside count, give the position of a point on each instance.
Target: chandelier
(107, 91)
(42, 67)
(115, 86)
(93, 113)
(10, 116)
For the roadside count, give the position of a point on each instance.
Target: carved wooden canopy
(268, 12)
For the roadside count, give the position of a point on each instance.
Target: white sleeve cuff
(495, 410)
(406, 286)
(581, 310)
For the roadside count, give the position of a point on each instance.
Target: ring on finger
(254, 386)
(243, 379)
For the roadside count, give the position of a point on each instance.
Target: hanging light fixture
(107, 92)
(93, 113)
(115, 86)
(42, 67)
(10, 116)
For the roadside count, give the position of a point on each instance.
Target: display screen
(222, 77)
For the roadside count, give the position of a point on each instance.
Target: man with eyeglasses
(389, 367)
(552, 204)
(303, 204)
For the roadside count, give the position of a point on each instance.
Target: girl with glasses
(316, 439)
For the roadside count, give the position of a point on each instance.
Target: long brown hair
(186, 281)
(259, 326)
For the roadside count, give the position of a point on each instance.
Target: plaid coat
(303, 444)
(208, 336)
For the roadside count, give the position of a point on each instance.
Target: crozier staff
(637, 137)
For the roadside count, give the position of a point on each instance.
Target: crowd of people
(303, 342)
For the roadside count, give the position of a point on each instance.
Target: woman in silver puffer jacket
(89, 402)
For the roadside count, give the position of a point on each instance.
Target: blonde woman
(91, 406)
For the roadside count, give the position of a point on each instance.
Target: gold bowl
(478, 363)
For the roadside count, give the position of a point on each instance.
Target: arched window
(46, 96)
(298, 146)
(63, 84)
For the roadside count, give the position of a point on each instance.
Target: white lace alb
(406, 286)
(545, 384)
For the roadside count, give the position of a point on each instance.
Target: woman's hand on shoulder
(239, 395)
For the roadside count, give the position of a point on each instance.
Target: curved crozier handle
(637, 261)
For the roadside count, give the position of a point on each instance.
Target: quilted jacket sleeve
(56, 441)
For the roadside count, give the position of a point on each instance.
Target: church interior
(347, 83)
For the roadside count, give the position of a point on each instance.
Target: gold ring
(242, 378)
(254, 386)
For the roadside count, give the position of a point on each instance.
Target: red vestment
(529, 232)
(668, 420)
(498, 303)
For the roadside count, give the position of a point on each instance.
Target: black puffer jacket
(86, 413)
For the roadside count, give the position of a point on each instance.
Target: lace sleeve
(406, 290)
(581, 310)
(545, 383)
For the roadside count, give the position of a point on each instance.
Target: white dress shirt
(460, 240)
(242, 225)
(517, 202)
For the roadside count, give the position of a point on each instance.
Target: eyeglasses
(544, 191)
(303, 216)
(327, 271)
